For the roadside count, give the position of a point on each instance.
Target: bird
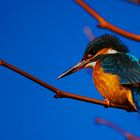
(116, 73)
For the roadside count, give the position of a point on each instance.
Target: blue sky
(45, 38)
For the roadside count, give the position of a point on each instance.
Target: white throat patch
(90, 65)
(110, 51)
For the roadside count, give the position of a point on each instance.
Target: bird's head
(97, 49)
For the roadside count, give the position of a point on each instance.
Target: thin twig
(137, 2)
(88, 33)
(105, 24)
(126, 134)
(61, 94)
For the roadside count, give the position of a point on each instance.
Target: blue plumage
(127, 67)
(136, 97)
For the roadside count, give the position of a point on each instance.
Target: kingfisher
(116, 73)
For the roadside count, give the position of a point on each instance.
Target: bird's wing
(126, 66)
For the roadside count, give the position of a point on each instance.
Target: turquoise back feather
(136, 97)
(127, 68)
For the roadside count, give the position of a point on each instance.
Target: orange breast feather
(109, 86)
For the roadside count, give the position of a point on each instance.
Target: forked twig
(105, 24)
(61, 94)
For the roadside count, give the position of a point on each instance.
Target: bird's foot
(107, 103)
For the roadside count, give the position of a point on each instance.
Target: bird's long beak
(73, 69)
(82, 64)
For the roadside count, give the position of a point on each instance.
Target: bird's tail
(136, 97)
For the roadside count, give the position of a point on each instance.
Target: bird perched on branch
(116, 73)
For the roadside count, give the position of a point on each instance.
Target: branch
(134, 1)
(61, 94)
(105, 24)
(127, 135)
(88, 33)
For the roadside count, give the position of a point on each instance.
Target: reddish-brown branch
(134, 1)
(105, 24)
(62, 94)
(127, 135)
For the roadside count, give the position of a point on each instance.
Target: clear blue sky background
(44, 38)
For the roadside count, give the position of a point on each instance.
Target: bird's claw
(107, 103)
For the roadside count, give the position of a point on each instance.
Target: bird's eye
(87, 56)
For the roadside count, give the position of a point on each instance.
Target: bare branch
(88, 33)
(1, 62)
(62, 94)
(105, 24)
(126, 134)
(134, 1)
